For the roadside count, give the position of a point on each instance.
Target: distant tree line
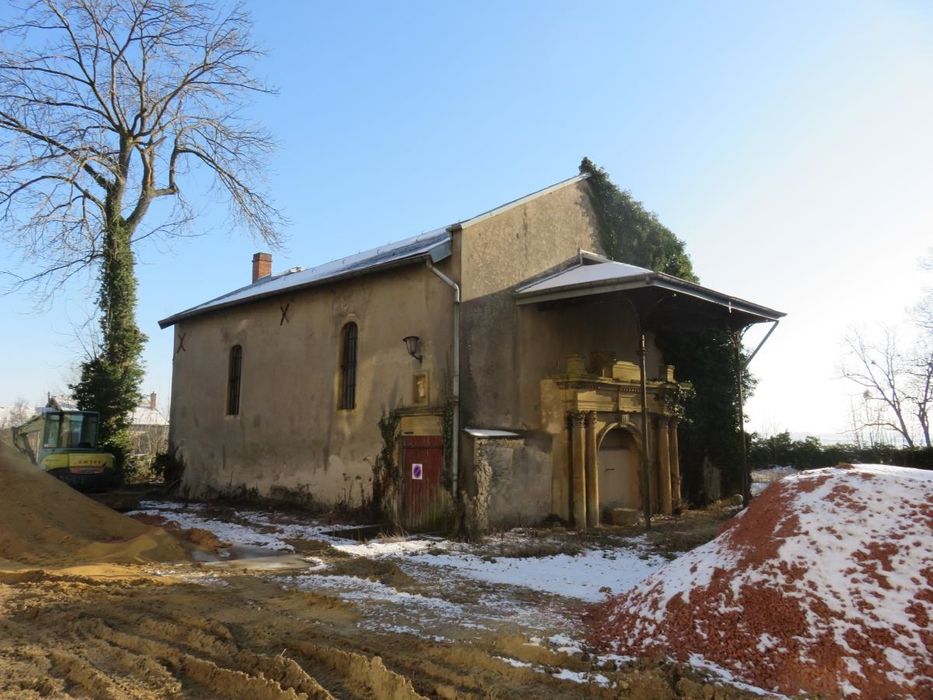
(781, 450)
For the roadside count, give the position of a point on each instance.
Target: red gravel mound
(824, 585)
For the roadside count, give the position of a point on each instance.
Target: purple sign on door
(417, 472)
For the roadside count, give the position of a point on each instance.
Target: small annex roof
(593, 274)
(146, 416)
(433, 244)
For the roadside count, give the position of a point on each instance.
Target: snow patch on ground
(587, 576)
(229, 533)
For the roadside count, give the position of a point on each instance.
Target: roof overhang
(662, 299)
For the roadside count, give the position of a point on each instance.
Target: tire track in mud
(156, 637)
(111, 640)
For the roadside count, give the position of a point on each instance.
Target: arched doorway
(617, 461)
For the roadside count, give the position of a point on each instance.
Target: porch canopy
(660, 302)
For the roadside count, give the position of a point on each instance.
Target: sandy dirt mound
(205, 539)
(824, 584)
(44, 522)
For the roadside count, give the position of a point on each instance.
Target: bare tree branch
(899, 383)
(101, 103)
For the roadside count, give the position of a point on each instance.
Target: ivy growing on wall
(387, 475)
(709, 428)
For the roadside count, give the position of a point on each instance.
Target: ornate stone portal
(597, 401)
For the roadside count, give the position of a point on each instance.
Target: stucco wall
(498, 254)
(509, 349)
(290, 439)
(512, 466)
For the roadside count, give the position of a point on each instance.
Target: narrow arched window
(348, 366)
(234, 374)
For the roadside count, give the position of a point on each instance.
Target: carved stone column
(664, 467)
(592, 480)
(676, 501)
(578, 470)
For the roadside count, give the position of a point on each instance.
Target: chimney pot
(152, 401)
(262, 266)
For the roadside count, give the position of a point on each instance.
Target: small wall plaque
(420, 389)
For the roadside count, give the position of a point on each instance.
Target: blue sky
(789, 145)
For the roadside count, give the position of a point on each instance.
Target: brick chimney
(152, 401)
(262, 265)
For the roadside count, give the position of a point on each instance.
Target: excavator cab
(64, 443)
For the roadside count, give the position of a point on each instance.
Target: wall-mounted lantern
(413, 345)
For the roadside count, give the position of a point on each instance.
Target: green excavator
(63, 442)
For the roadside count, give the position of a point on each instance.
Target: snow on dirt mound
(44, 522)
(825, 584)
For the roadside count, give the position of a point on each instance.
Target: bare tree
(14, 416)
(106, 107)
(879, 369)
(897, 385)
(866, 420)
(921, 360)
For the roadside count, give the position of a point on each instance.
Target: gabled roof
(594, 274)
(433, 244)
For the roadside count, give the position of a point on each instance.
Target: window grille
(348, 367)
(233, 380)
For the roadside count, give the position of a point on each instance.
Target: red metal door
(422, 491)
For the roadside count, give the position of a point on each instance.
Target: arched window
(348, 366)
(234, 372)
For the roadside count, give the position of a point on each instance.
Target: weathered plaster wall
(498, 254)
(504, 468)
(508, 349)
(547, 334)
(290, 439)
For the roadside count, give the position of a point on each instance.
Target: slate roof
(433, 244)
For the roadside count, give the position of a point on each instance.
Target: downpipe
(454, 384)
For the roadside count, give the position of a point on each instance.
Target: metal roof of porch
(682, 300)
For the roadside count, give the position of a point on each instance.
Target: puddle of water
(271, 562)
(252, 558)
(363, 533)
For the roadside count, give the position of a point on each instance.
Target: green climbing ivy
(110, 380)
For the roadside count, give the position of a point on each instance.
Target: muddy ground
(316, 622)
